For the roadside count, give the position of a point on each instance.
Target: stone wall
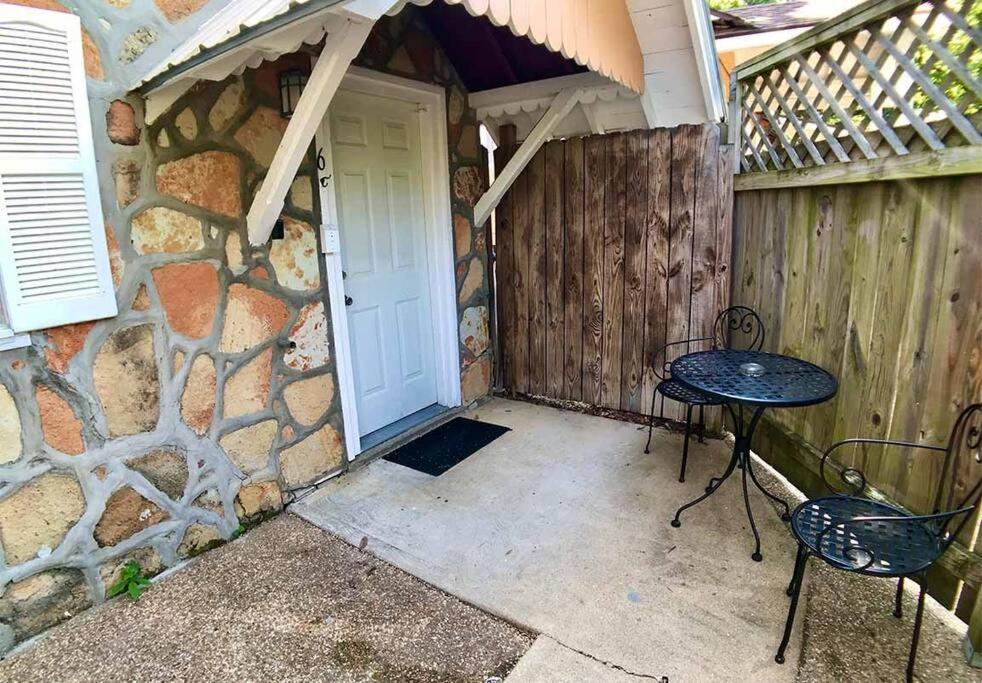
(153, 435)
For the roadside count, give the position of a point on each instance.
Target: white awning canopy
(598, 34)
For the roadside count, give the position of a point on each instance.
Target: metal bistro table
(759, 381)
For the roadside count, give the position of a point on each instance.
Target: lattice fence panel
(888, 78)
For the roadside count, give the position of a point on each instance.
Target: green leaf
(134, 591)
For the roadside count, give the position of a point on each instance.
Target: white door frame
(439, 239)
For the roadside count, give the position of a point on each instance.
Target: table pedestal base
(740, 459)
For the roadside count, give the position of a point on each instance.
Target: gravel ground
(284, 602)
(850, 634)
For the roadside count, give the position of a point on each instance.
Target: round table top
(755, 378)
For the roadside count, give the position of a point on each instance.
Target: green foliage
(941, 75)
(724, 5)
(131, 581)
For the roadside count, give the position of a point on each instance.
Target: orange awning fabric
(598, 34)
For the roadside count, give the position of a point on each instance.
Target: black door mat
(436, 452)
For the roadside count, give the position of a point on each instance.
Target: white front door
(377, 166)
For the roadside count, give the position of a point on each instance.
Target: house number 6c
(321, 166)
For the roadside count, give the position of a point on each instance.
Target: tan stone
(461, 235)
(136, 43)
(251, 317)
(248, 448)
(126, 513)
(295, 257)
(456, 103)
(259, 498)
(175, 10)
(199, 538)
(90, 56)
(210, 180)
(160, 229)
(10, 443)
(198, 399)
(126, 175)
(468, 186)
(127, 381)
(121, 123)
(261, 134)
(309, 334)
(116, 263)
(43, 600)
(308, 399)
(475, 381)
(189, 296)
(64, 343)
(227, 105)
(211, 501)
(467, 146)
(401, 62)
(141, 302)
(233, 252)
(38, 515)
(187, 124)
(247, 391)
(302, 194)
(474, 329)
(311, 459)
(474, 280)
(163, 139)
(165, 468)
(60, 426)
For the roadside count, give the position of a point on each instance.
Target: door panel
(377, 161)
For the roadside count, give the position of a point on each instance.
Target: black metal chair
(735, 327)
(858, 534)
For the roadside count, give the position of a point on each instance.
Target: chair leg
(898, 600)
(702, 424)
(796, 580)
(685, 444)
(651, 421)
(911, 660)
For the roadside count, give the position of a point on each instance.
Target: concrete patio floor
(561, 526)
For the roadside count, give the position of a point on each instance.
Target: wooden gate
(608, 246)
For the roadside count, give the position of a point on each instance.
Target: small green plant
(131, 581)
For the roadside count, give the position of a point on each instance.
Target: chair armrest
(853, 479)
(864, 557)
(663, 352)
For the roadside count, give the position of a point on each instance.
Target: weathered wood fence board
(609, 246)
(880, 283)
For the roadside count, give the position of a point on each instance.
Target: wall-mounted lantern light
(292, 82)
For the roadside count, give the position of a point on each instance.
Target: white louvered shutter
(54, 264)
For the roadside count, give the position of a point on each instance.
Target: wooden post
(541, 132)
(973, 641)
(340, 47)
(507, 134)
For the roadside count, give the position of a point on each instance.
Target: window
(54, 264)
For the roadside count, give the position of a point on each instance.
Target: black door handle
(348, 300)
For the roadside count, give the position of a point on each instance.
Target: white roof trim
(539, 95)
(704, 47)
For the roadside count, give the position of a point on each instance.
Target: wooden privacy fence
(888, 78)
(607, 247)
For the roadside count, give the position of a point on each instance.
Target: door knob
(348, 300)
